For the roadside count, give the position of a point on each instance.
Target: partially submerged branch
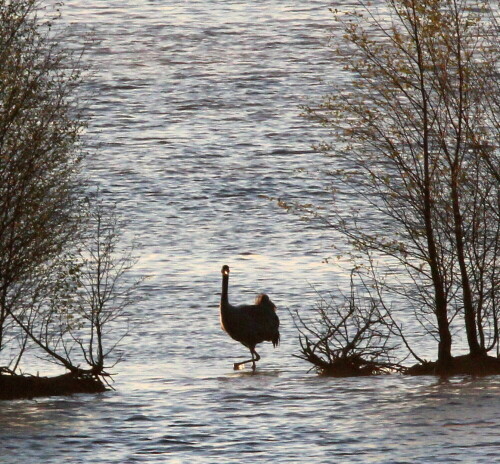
(349, 335)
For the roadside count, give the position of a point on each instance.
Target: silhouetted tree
(349, 334)
(40, 124)
(103, 289)
(77, 315)
(415, 136)
(62, 275)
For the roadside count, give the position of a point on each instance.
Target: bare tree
(416, 137)
(104, 289)
(349, 335)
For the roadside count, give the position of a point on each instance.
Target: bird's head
(225, 270)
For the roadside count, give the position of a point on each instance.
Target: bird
(249, 324)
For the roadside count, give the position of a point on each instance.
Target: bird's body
(249, 324)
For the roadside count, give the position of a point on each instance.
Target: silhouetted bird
(249, 324)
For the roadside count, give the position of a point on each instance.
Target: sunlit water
(195, 122)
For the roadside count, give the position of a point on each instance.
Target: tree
(77, 318)
(40, 125)
(416, 138)
(350, 336)
(103, 290)
(63, 273)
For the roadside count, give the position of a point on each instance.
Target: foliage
(40, 124)
(63, 278)
(415, 130)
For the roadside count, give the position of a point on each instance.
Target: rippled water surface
(195, 109)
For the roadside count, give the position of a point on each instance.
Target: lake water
(195, 122)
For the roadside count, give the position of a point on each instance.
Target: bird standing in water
(249, 324)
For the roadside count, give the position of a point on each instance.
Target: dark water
(196, 121)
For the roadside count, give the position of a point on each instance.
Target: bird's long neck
(224, 299)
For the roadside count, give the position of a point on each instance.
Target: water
(195, 122)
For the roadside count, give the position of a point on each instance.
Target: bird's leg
(237, 365)
(254, 360)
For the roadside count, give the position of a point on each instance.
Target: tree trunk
(469, 311)
(441, 307)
